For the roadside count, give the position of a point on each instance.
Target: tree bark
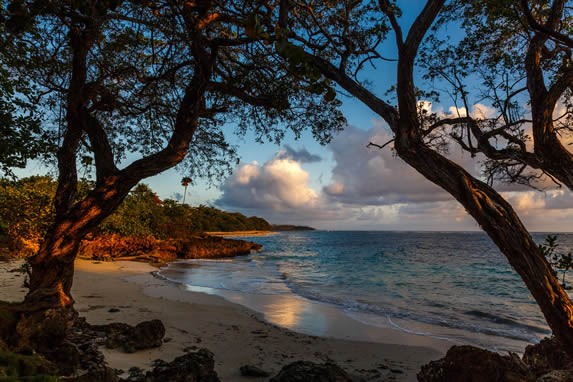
(501, 223)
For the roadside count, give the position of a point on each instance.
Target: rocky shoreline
(112, 247)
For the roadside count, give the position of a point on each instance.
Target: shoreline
(236, 335)
(242, 233)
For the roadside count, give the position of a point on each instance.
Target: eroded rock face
(546, 356)
(471, 364)
(557, 376)
(304, 371)
(111, 246)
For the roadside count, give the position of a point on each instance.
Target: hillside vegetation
(26, 212)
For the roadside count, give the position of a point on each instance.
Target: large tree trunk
(501, 223)
(53, 266)
(53, 270)
(492, 212)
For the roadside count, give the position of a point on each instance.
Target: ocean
(452, 286)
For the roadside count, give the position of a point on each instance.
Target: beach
(237, 336)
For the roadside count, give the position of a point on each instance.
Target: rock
(148, 334)
(191, 367)
(145, 335)
(471, 364)
(107, 247)
(104, 374)
(546, 356)
(253, 371)
(557, 376)
(304, 371)
(66, 356)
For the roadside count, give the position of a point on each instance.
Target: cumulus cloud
(278, 185)
(301, 156)
(370, 176)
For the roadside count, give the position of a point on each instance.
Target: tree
(140, 214)
(154, 78)
(185, 183)
(20, 134)
(340, 39)
(26, 211)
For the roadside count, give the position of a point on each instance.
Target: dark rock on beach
(304, 371)
(145, 335)
(543, 362)
(253, 371)
(471, 364)
(546, 356)
(191, 367)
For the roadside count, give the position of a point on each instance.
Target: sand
(237, 336)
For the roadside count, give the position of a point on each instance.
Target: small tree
(560, 261)
(185, 182)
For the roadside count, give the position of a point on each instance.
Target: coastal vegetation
(143, 223)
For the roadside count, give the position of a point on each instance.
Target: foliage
(209, 219)
(491, 64)
(17, 367)
(26, 211)
(21, 136)
(560, 261)
(140, 65)
(140, 214)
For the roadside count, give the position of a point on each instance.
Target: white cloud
(278, 185)
(372, 189)
(372, 176)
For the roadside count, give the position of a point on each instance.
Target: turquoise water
(449, 284)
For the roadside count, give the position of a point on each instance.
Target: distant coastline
(290, 227)
(273, 231)
(240, 233)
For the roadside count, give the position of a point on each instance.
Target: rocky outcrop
(470, 364)
(191, 367)
(304, 371)
(145, 335)
(214, 247)
(546, 356)
(544, 362)
(112, 246)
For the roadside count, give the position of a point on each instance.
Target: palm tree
(185, 182)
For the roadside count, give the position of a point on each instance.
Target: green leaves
(26, 211)
(560, 261)
(301, 66)
(21, 138)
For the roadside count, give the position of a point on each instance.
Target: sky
(347, 186)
